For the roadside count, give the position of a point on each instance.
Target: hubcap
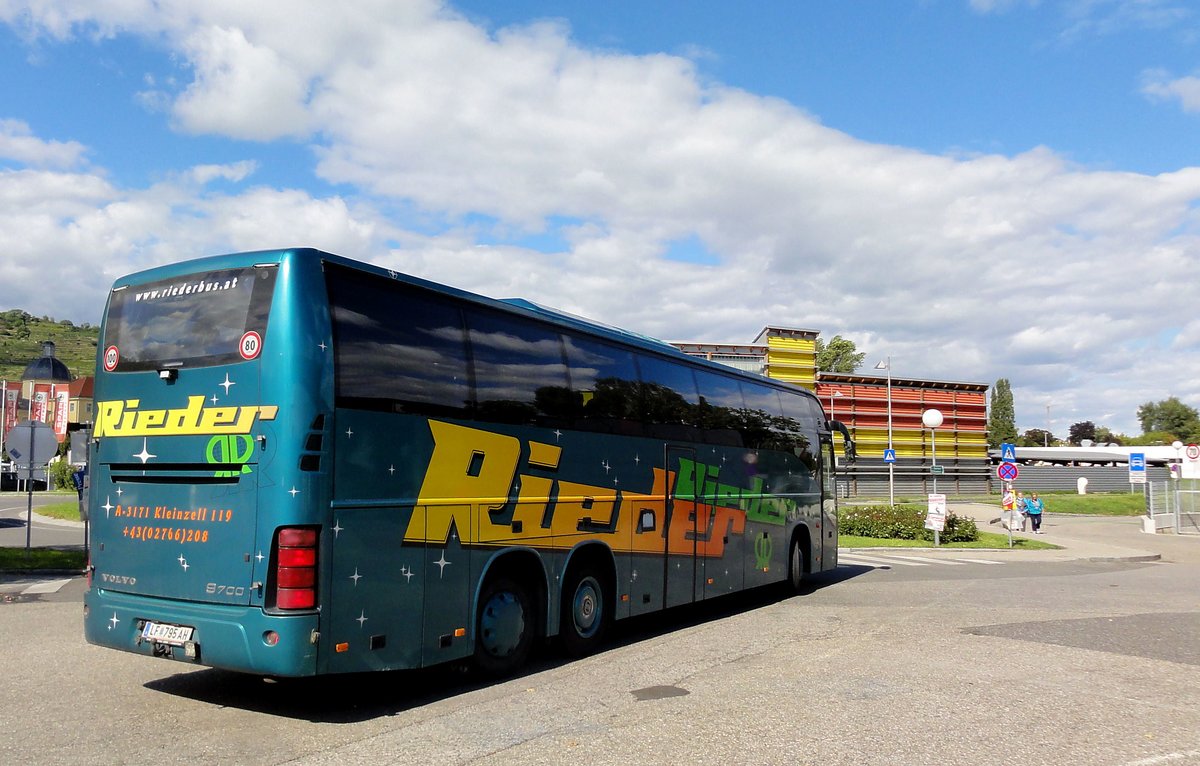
(586, 608)
(502, 624)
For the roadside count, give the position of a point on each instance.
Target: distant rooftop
(47, 367)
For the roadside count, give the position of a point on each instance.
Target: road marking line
(947, 562)
(981, 561)
(873, 561)
(48, 586)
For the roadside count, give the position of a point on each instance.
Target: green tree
(1151, 439)
(840, 355)
(1036, 437)
(1105, 435)
(1002, 418)
(1081, 431)
(1169, 415)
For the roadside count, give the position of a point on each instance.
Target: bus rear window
(205, 319)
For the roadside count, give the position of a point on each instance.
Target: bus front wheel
(797, 559)
(585, 613)
(503, 627)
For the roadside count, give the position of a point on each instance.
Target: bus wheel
(503, 628)
(797, 557)
(585, 613)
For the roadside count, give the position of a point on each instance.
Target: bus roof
(514, 305)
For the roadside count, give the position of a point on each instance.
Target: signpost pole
(1010, 523)
(29, 502)
(1007, 472)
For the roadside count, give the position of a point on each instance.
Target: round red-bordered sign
(111, 357)
(250, 345)
(1007, 471)
(1193, 451)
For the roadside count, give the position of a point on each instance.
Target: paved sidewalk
(1090, 538)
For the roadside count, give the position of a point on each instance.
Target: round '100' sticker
(111, 357)
(250, 345)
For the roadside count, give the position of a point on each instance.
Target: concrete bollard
(1081, 482)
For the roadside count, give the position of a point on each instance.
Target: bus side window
(799, 428)
(520, 372)
(668, 399)
(719, 413)
(418, 365)
(605, 383)
(762, 416)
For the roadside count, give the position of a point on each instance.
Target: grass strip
(986, 540)
(67, 511)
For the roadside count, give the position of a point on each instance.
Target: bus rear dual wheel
(505, 623)
(586, 612)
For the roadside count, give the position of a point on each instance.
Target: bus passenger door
(680, 528)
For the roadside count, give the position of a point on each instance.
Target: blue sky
(977, 188)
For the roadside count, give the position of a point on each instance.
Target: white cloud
(17, 142)
(241, 89)
(1071, 282)
(1158, 86)
(236, 171)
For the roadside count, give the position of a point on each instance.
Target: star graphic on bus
(144, 455)
(442, 564)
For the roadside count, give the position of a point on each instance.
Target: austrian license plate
(161, 633)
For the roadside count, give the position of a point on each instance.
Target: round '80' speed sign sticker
(111, 357)
(250, 345)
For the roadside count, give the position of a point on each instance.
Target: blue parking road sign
(1137, 467)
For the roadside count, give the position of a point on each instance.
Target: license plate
(175, 635)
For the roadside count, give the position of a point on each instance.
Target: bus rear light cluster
(296, 568)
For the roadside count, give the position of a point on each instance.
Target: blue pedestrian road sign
(1008, 452)
(889, 456)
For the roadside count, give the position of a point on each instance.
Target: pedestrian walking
(1019, 506)
(1034, 508)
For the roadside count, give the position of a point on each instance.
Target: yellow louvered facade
(791, 355)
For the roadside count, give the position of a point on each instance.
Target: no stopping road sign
(1007, 471)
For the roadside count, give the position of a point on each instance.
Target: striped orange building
(861, 402)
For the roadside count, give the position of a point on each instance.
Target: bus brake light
(296, 568)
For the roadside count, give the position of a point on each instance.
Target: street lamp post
(931, 420)
(833, 394)
(887, 365)
(839, 395)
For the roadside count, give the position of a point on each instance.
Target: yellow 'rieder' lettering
(466, 463)
(121, 417)
(470, 482)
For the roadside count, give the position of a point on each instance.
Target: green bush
(959, 529)
(60, 475)
(902, 522)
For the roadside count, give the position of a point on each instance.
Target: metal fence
(1173, 505)
(869, 478)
